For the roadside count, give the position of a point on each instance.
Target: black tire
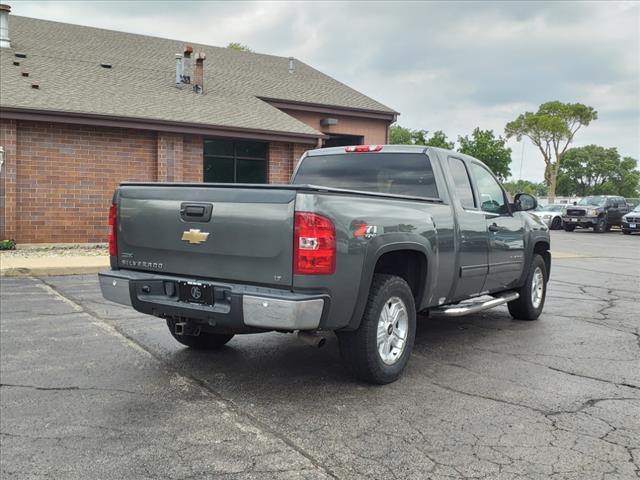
(204, 341)
(626, 232)
(556, 223)
(601, 225)
(523, 308)
(359, 348)
(569, 228)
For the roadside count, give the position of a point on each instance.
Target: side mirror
(524, 202)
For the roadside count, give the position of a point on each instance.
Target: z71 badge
(365, 231)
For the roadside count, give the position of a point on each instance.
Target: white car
(551, 215)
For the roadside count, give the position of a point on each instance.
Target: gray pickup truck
(361, 240)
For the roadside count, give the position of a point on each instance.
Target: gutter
(389, 115)
(136, 123)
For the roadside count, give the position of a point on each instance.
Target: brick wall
(66, 175)
(8, 180)
(280, 162)
(192, 158)
(374, 131)
(283, 158)
(57, 180)
(169, 157)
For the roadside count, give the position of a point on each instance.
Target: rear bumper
(236, 307)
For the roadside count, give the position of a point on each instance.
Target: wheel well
(409, 265)
(542, 249)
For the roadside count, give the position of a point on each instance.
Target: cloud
(447, 66)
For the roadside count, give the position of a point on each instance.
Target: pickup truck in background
(361, 240)
(599, 212)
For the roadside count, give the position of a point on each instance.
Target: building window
(231, 161)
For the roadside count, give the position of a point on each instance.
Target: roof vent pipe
(5, 42)
(178, 69)
(291, 65)
(186, 64)
(198, 73)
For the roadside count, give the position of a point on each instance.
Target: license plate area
(195, 292)
(632, 225)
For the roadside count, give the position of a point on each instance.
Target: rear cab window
(407, 174)
(462, 183)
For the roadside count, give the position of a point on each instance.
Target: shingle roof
(65, 60)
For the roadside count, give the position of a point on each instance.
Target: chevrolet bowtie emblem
(195, 236)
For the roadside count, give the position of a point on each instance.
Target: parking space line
(197, 382)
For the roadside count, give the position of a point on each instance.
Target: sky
(449, 66)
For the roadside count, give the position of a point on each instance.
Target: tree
(491, 150)
(239, 46)
(525, 186)
(439, 139)
(399, 135)
(552, 129)
(405, 136)
(595, 170)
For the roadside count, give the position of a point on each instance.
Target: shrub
(7, 244)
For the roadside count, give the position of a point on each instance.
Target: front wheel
(379, 349)
(556, 224)
(626, 232)
(204, 341)
(569, 228)
(600, 226)
(532, 294)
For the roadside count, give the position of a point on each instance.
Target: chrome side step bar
(466, 307)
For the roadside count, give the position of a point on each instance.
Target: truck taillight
(314, 245)
(363, 148)
(113, 226)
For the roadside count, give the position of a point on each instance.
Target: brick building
(82, 109)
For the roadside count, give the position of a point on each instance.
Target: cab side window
(462, 182)
(491, 195)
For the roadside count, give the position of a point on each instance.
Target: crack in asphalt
(71, 388)
(622, 384)
(253, 420)
(583, 285)
(617, 274)
(487, 457)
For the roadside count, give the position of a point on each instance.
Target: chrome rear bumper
(263, 308)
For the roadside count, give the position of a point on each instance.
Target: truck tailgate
(250, 231)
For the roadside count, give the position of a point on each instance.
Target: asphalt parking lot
(92, 390)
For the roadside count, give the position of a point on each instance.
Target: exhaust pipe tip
(315, 339)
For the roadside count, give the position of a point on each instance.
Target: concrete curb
(47, 271)
(15, 266)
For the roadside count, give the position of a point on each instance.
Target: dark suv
(599, 212)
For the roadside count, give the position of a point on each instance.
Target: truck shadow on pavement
(272, 360)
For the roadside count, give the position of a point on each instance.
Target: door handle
(494, 228)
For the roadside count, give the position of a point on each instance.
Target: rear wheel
(569, 228)
(532, 294)
(626, 232)
(203, 341)
(379, 349)
(556, 224)
(600, 226)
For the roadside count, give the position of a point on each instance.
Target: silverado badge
(195, 236)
